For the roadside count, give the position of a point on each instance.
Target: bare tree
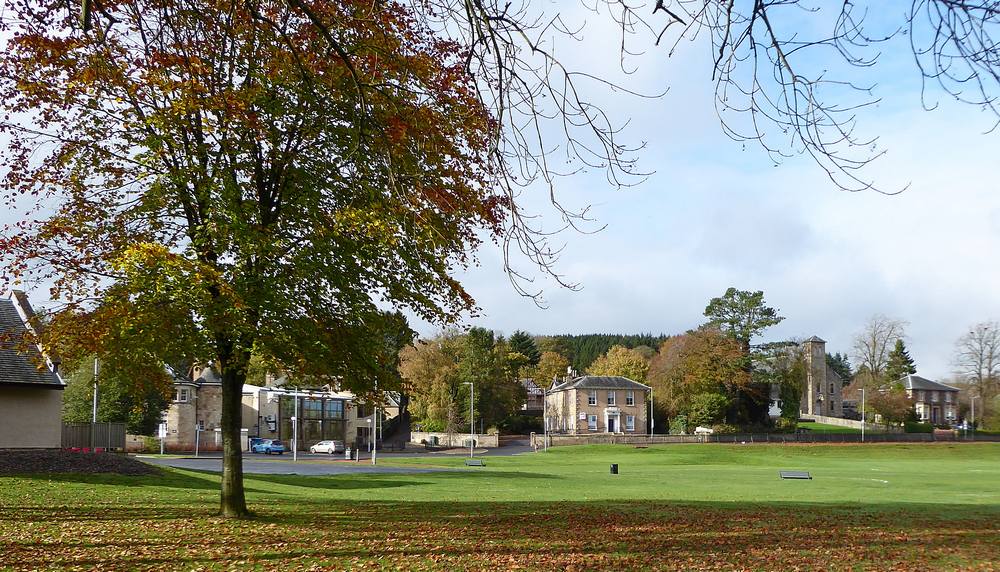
(977, 359)
(873, 344)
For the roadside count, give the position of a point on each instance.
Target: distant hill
(582, 349)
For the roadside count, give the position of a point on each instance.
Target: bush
(707, 408)
(786, 425)
(915, 427)
(678, 425)
(150, 444)
(724, 429)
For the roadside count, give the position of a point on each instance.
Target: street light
(863, 419)
(972, 400)
(472, 418)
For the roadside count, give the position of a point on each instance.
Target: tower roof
(815, 340)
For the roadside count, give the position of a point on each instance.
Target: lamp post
(472, 418)
(295, 426)
(93, 417)
(972, 400)
(651, 422)
(863, 418)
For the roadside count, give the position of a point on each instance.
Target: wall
(455, 439)
(30, 418)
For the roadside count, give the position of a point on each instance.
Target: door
(612, 424)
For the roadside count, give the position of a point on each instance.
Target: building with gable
(30, 385)
(592, 404)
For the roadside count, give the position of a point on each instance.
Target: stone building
(194, 417)
(822, 392)
(597, 404)
(934, 402)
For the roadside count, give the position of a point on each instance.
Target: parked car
(268, 446)
(330, 447)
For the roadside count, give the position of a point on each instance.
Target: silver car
(329, 447)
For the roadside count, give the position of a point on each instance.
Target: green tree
(840, 363)
(221, 188)
(742, 315)
(486, 362)
(524, 344)
(707, 409)
(892, 404)
(620, 361)
(139, 403)
(900, 364)
(550, 366)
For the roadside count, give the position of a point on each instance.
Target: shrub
(678, 425)
(915, 427)
(724, 429)
(150, 444)
(707, 408)
(785, 425)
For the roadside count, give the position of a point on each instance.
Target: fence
(93, 436)
(556, 440)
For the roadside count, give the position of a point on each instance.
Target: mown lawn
(826, 428)
(679, 507)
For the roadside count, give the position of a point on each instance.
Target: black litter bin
(614, 468)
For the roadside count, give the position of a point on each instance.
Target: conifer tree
(900, 363)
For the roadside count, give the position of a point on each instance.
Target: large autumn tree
(205, 178)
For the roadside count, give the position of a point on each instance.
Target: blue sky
(718, 213)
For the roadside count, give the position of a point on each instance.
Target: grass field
(825, 428)
(680, 507)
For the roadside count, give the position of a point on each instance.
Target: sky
(717, 213)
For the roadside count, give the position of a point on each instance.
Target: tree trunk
(234, 372)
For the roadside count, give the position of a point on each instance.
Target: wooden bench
(475, 463)
(795, 475)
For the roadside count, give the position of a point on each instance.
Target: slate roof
(599, 382)
(531, 387)
(815, 339)
(917, 382)
(20, 365)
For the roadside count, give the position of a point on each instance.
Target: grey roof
(917, 382)
(832, 374)
(599, 382)
(815, 339)
(18, 364)
(531, 387)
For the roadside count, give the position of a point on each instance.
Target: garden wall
(453, 439)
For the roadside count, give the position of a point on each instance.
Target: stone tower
(822, 393)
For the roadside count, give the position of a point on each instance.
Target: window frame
(592, 397)
(630, 397)
(630, 423)
(612, 399)
(182, 391)
(591, 422)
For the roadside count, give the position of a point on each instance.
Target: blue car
(268, 446)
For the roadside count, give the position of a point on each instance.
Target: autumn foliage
(215, 178)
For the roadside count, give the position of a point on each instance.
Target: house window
(630, 397)
(947, 397)
(611, 398)
(630, 422)
(201, 424)
(182, 395)
(831, 389)
(592, 397)
(592, 423)
(363, 411)
(934, 396)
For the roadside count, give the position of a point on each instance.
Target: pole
(651, 421)
(863, 418)
(973, 401)
(295, 428)
(545, 419)
(472, 418)
(375, 425)
(93, 417)
(197, 437)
